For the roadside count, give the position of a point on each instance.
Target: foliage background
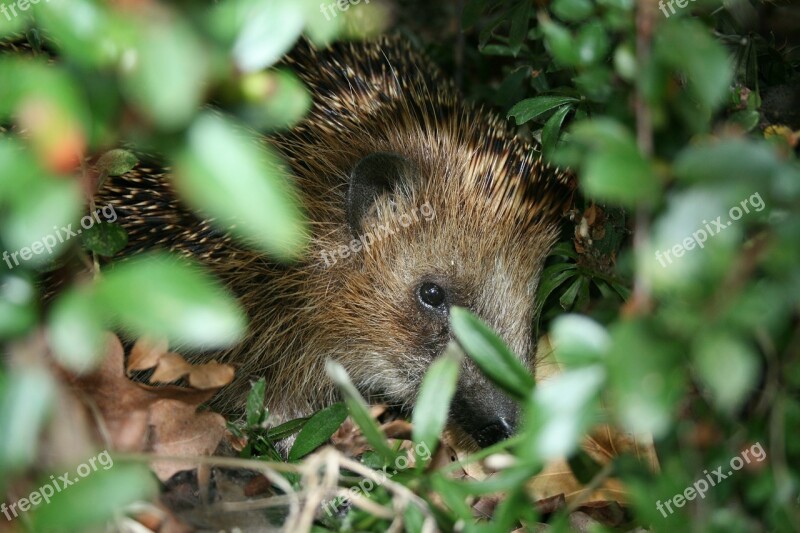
(667, 121)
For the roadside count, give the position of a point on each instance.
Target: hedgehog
(417, 201)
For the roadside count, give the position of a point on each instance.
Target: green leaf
(116, 162)
(578, 340)
(159, 296)
(359, 411)
(168, 79)
(96, 498)
(583, 466)
(278, 99)
(644, 388)
(268, 30)
(76, 328)
(18, 304)
(561, 43)
(551, 129)
(559, 412)
(286, 429)
(255, 410)
(105, 239)
(746, 118)
(33, 226)
(568, 297)
(572, 10)
(728, 160)
(436, 392)
(234, 178)
(592, 43)
(490, 353)
(26, 397)
(531, 108)
(687, 46)
(615, 170)
(730, 387)
(11, 25)
(318, 430)
(519, 25)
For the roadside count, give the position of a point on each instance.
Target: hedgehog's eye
(431, 295)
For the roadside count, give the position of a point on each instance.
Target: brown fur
(496, 216)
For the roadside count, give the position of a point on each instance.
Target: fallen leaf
(211, 375)
(179, 430)
(171, 367)
(146, 353)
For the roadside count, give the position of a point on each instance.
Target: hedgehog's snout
(495, 432)
(485, 413)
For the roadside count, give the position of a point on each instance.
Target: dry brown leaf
(171, 367)
(179, 430)
(146, 353)
(211, 375)
(141, 417)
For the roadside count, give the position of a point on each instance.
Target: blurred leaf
(168, 79)
(578, 340)
(729, 160)
(225, 174)
(436, 392)
(490, 353)
(615, 170)
(583, 466)
(266, 31)
(519, 25)
(359, 411)
(531, 108)
(18, 304)
(560, 43)
(33, 227)
(728, 367)
(96, 498)
(746, 118)
(10, 25)
(76, 329)
(317, 430)
(592, 43)
(561, 409)
(83, 30)
(105, 239)
(26, 396)
(157, 296)
(572, 10)
(687, 46)
(646, 378)
(278, 99)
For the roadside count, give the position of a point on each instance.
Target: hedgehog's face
(406, 282)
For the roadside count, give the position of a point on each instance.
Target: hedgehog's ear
(376, 174)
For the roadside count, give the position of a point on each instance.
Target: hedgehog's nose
(485, 413)
(494, 433)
